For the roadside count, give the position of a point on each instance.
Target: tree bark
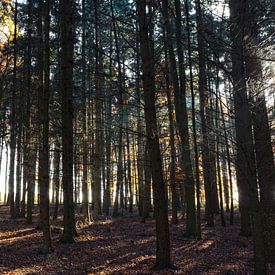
(262, 137)
(160, 202)
(85, 200)
(203, 92)
(66, 30)
(246, 167)
(56, 176)
(44, 113)
(12, 119)
(179, 85)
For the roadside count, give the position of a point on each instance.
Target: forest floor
(123, 245)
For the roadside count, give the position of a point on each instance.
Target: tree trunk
(179, 85)
(98, 114)
(119, 187)
(56, 176)
(203, 92)
(44, 114)
(12, 119)
(218, 152)
(261, 130)
(18, 169)
(66, 29)
(146, 194)
(246, 168)
(108, 141)
(85, 200)
(229, 165)
(172, 172)
(160, 202)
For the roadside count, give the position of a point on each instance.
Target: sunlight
(205, 245)
(128, 129)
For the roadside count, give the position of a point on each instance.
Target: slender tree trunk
(40, 47)
(119, 187)
(182, 120)
(44, 113)
(85, 200)
(140, 141)
(212, 151)
(225, 178)
(18, 171)
(31, 168)
(203, 92)
(108, 142)
(229, 166)
(160, 202)
(196, 174)
(218, 153)
(56, 176)
(129, 172)
(98, 113)
(172, 171)
(6, 178)
(66, 27)
(12, 119)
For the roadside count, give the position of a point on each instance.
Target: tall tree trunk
(85, 200)
(27, 146)
(179, 85)
(191, 83)
(212, 150)
(66, 30)
(44, 113)
(129, 172)
(108, 141)
(218, 152)
(119, 186)
(246, 168)
(12, 118)
(140, 141)
(140, 132)
(203, 92)
(160, 202)
(98, 113)
(228, 166)
(40, 47)
(172, 172)
(261, 130)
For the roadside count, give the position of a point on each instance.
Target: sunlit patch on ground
(122, 246)
(205, 245)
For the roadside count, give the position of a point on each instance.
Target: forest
(137, 137)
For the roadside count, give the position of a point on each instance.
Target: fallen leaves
(122, 246)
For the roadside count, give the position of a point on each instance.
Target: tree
(182, 122)
(13, 119)
(98, 114)
(66, 85)
(160, 202)
(44, 8)
(246, 167)
(204, 112)
(261, 130)
(85, 200)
